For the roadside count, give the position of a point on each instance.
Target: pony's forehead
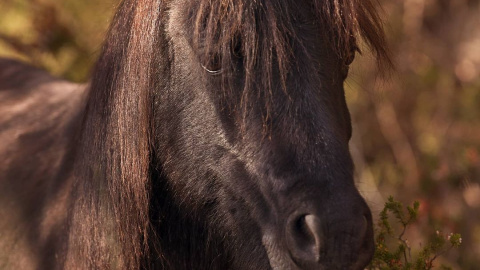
(341, 19)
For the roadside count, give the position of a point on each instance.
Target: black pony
(213, 135)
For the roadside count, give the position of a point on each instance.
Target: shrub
(398, 256)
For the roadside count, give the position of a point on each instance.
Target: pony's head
(227, 133)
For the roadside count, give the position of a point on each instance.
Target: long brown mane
(113, 169)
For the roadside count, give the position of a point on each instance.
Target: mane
(110, 214)
(110, 222)
(227, 28)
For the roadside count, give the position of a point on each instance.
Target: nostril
(304, 236)
(366, 244)
(363, 227)
(367, 233)
(314, 229)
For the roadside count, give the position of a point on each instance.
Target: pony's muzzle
(342, 240)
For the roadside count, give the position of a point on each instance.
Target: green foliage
(398, 256)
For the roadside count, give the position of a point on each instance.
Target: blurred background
(416, 129)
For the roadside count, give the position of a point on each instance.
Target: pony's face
(266, 169)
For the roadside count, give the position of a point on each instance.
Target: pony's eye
(350, 56)
(213, 65)
(237, 48)
(348, 60)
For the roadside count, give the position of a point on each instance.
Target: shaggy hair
(113, 167)
(226, 29)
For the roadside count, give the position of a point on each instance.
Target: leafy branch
(400, 257)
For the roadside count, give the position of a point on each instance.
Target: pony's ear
(112, 178)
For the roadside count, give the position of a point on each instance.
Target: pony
(213, 134)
